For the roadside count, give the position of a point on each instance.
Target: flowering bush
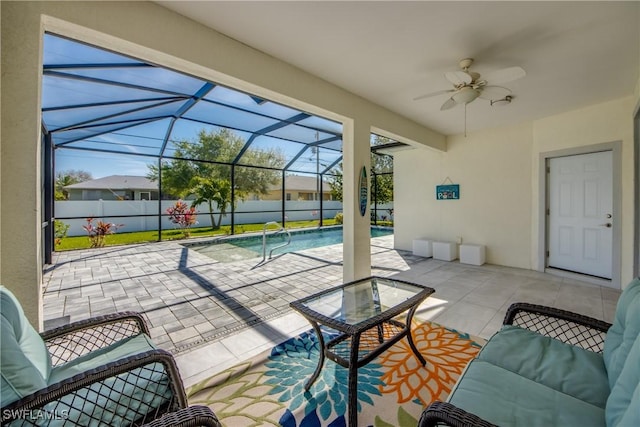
(98, 232)
(183, 216)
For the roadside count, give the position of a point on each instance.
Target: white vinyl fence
(249, 212)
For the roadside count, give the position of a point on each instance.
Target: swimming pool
(240, 248)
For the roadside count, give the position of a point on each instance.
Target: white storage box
(422, 247)
(445, 251)
(472, 254)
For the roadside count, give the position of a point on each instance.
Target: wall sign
(364, 189)
(448, 192)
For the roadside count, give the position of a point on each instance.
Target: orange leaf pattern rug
(393, 389)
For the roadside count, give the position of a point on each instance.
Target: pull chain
(465, 119)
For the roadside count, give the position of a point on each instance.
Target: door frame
(543, 205)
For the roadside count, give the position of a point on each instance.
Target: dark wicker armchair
(566, 326)
(193, 416)
(128, 390)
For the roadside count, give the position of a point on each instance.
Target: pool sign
(448, 192)
(364, 189)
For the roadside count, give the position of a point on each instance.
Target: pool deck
(189, 298)
(211, 315)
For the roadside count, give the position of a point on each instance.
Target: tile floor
(212, 315)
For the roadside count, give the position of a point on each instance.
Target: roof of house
(116, 182)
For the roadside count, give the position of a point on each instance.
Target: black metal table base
(353, 362)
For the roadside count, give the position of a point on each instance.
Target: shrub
(339, 218)
(98, 232)
(60, 230)
(183, 216)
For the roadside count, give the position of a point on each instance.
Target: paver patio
(188, 298)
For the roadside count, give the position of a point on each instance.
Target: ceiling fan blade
(479, 84)
(505, 75)
(494, 92)
(458, 77)
(448, 104)
(428, 95)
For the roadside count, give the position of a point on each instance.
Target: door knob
(608, 216)
(608, 225)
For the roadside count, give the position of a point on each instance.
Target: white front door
(580, 213)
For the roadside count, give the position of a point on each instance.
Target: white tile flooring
(468, 298)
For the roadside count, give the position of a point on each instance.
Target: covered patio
(321, 77)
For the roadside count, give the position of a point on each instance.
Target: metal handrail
(264, 239)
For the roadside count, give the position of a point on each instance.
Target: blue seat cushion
(623, 405)
(25, 364)
(559, 366)
(119, 400)
(508, 399)
(623, 332)
(119, 350)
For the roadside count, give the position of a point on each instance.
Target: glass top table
(365, 314)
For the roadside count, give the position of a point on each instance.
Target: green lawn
(82, 242)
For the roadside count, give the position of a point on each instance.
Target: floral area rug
(393, 389)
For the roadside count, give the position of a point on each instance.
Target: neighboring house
(114, 187)
(297, 188)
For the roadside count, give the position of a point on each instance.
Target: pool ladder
(264, 238)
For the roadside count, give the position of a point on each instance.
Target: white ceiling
(575, 53)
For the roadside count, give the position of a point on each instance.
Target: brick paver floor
(188, 298)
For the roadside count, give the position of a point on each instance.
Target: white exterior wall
(497, 170)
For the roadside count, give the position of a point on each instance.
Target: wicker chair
(74, 386)
(571, 328)
(193, 416)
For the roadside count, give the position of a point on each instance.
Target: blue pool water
(234, 249)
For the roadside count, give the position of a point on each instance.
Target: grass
(83, 242)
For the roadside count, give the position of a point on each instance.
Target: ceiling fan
(468, 85)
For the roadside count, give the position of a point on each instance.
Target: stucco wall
(493, 170)
(607, 122)
(498, 175)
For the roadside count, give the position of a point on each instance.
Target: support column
(20, 198)
(356, 153)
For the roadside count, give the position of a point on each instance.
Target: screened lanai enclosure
(149, 149)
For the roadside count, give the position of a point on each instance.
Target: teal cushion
(562, 367)
(623, 332)
(118, 400)
(631, 417)
(25, 364)
(624, 402)
(508, 399)
(119, 350)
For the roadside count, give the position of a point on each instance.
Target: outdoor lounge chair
(100, 371)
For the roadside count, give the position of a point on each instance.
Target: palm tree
(212, 190)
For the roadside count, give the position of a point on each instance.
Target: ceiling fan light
(465, 95)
